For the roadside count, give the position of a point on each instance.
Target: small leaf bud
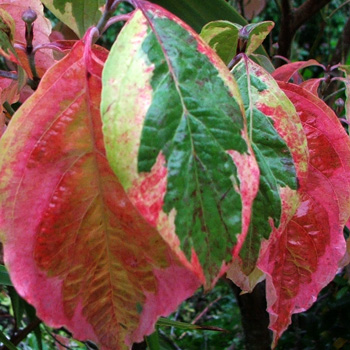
(29, 16)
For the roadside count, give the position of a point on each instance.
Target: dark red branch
(292, 19)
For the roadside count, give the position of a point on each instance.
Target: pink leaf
(75, 246)
(287, 71)
(312, 85)
(302, 258)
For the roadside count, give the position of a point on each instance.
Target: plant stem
(107, 14)
(55, 339)
(18, 337)
(116, 19)
(31, 59)
(292, 19)
(29, 35)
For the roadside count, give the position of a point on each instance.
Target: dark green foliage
(220, 310)
(326, 325)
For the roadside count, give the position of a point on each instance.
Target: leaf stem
(116, 19)
(107, 14)
(31, 59)
(29, 16)
(55, 339)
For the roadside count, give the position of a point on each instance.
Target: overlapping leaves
(169, 119)
(202, 169)
(78, 15)
(88, 260)
(278, 143)
(303, 256)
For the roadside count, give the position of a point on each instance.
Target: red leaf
(75, 246)
(253, 8)
(312, 85)
(286, 72)
(302, 258)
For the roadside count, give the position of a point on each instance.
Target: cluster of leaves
(130, 177)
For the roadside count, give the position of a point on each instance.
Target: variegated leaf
(175, 135)
(87, 260)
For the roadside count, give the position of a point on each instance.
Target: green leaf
(17, 305)
(222, 36)
(78, 15)
(278, 142)
(198, 13)
(263, 61)
(4, 276)
(31, 314)
(153, 341)
(175, 137)
(165, 322)
(255, 33)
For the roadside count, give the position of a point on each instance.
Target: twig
(18, 337)
(111, 6)
(292, 19)
(343, 46)
(116, 19)
(55, 339)
(205, 310)
(169, 340)
(306, 10)
(326, 98)
(338, 8)
(201, 314)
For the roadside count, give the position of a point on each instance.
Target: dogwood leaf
(280, 147)
(87, 260)
(222, 36)
(287, 71)
(78, 15)
(303, 256)
(312, 85)
(256, 34)
(174, 128)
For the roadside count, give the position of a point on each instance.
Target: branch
(343, 46)
(111, 6)
(18, 337)
(306, 10)
(286, 35)
(292, 20)
(342, 50)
